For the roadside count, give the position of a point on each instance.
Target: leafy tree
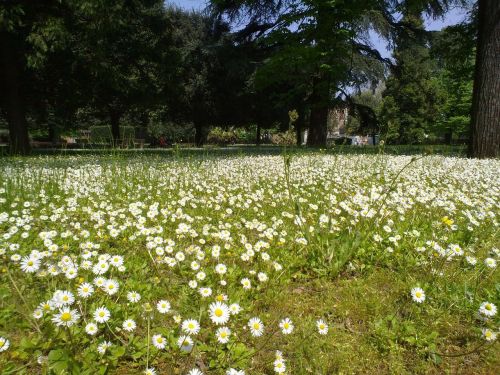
(28, 32)
(318, 48)
(412, 98)
(119, 46)
(453, 51)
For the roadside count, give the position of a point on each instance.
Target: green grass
(371, 228)
(235, 150)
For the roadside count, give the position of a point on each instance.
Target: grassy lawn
(183, 261)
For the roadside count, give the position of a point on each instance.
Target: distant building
(337, 122)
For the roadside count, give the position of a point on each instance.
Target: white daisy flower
(487, 309)
(205, 292)
(221, 269)
(102, 315)
(279, 366)
(234, 309)
(490, 263)
(63, 298)
(191, 326)
(133, 297)
(104, 346)
(111, 287)
(66, 317)
(91, 328)
(219, 313)
(223, 334)
(286, 326)
(246, 283)
(256, 327)
(4, 344)
(30, 264)
(163, 306)
(129, 325)
(322, 327)
(418, 295)
(159, 342)
(489, 335)
(85, 290)
(185, 343)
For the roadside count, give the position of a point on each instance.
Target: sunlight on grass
(304, 264)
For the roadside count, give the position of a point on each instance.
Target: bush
(220, 136)
(100, 134)
(103, 134)
(173, 132)
(284, 138)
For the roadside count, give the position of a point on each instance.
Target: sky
(454, 16)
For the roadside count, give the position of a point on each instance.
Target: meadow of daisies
(303, 264)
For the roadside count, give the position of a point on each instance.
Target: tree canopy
(70, 64)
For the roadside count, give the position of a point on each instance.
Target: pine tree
(412, 99)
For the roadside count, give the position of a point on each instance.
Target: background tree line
(69, 64)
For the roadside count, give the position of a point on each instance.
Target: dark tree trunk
(319, 112)
(199, 136)
(299, 124)
(114, 117)
(317, 127)
(485, 118)
(298, 131)
(53, 133)
(10, 67)
(257, 135)
(448, 137)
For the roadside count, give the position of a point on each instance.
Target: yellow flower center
(487, 307)
(256, 326)
(191, 326)
(218, 313)
(101, 314)
(65, 317)
(418, 294)
(286, 325)
(30, 263)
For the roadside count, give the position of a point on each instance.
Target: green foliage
(412, 99)
(222, 136)
(102, 134)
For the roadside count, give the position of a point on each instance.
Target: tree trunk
(298, 131)
(10, 66)
(485, 118)
(53, 136)
(319, 112)
(199, 136)
(114, 117)
(317, 127)
(448, 137)
(257, 135)
(299, 125)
